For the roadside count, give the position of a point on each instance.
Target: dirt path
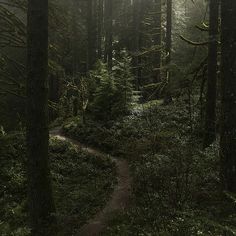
(119, 198)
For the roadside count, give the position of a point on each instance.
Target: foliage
(123, 80)
(113, 94)
(104, 94)
(76, 96)
(176, 189)
(82, 184)
(13, 190)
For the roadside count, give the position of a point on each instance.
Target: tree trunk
(210, 122)
(75, 37)
(168, 97)
(158, 37)
(228, 83)
(108, 55)
(91, 34)
(168, 32)
(41, 204)
(137, 60)
(100, 28)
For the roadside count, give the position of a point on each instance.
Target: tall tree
(75, 36)
(228, 83)
(168, 34)
(168, 97)
(158, 39)
(100, 11)
(108, 54)
(210, 121)
(137, 23)
(91, 33)
(41, 204)
(75, 49)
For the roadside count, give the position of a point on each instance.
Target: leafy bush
(13, 186)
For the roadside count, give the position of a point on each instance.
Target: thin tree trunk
(91, 34)
(41, 204)
(210, 120)
(108, 55)
(75, 37)
(100, 27)
(75, 52)
(168, 32)
(228, 83)
(168, 97)
(137, 19)
(158, 37)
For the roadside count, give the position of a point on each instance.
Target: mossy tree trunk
(41, 204)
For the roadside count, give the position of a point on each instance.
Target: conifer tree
(228, 86)
(210, 121)
(41, 204)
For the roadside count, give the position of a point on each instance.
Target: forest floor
(175, 184)
(120, 196)
(83, 184)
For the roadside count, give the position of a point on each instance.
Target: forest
(117, 117)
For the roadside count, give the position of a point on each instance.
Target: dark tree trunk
(158, 37)
(91, 34)
(75, 37)
(168, 32)
(137, 60)
(75, 51)
(228, 83)
(168, 97)
(100, 28)
(41, 204)
(108, 54)
(210, 122)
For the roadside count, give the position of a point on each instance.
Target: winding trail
(119, 198)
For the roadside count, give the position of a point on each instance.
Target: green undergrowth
(176, 187)
(82, 185)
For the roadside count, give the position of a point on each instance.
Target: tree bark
(75, 37)
(41, 204)
(91, 34)
(100, 28)
(228, 84)
(137, 23)
(108, 55)
(168, 97)
(168, 32)
(158, 39)
(210, 120)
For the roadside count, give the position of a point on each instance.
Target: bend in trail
(119, 198)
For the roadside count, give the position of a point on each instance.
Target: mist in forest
(117, 117)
